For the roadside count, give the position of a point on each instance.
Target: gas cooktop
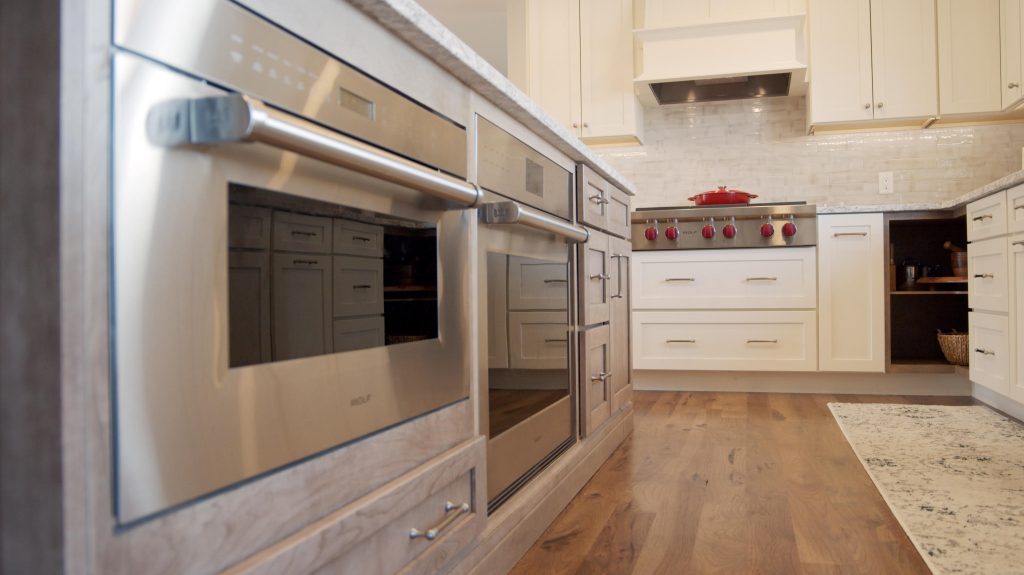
(780, 224)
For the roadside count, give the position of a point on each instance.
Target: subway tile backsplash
(760, 146)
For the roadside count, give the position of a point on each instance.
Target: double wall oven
(292, 253)
(527, 287)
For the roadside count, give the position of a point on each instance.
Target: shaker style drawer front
(593, 199)
(302, 233)
(596, 375)
(725, 340)
(249, 227)
(987, 275)
(595, 280)
(358, 286)
(358, 239)
(737, 279)
(358, 333)
(538, 339)
(986, 217)
(536, 285)
(989, 349)
(618, 213)
(1015, 209)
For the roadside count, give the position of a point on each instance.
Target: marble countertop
(1003, 183)
(407, 20)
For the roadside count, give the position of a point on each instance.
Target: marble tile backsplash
(760, 146)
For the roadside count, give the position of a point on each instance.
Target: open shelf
(921, 367)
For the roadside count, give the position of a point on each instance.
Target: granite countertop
(419, 29)
(1003, 183)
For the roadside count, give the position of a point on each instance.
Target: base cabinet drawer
(725, 340)
(986, 217)
(987, 281)
(414, 525)
(990, 351)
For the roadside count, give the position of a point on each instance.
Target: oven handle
(510, 212)
(239, 118)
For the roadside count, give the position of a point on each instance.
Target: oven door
(526, 263)
(267, 305)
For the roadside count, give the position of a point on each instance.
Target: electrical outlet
(885, 183)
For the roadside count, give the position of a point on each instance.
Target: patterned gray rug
(953, 477)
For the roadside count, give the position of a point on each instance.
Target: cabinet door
(553, 62)
(851, 293)
(301, 305)
(609, 105)
(989, 349)
(1016, 261)
(621, 380)
(1010, 51)
(969, 56)
(538, 339)
(840, 60)
(248, 227)
(249, 299)
(595, 373)
(987, 284)
(903, 58)
(595, 285)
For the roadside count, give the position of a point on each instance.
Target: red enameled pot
(722, 196)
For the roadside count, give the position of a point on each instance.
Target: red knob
(708, 231)
(672, 233)
(789, 229)
(651, 233)
(729, 231)
(767, 230)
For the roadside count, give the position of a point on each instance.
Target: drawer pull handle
(361, 238)
(762, 279)
(618, 296)
(556, 281)
(984, 276)
(304, 234)
(982, 217)
(601, 277)
(362, 286)
(617, 256)
(556, 341)
(984, 351)
(680, 341)
(600, 377)
(680, 279)
(762, 341)
(1018, 207)
(1020, 243)
(844, 234)
(305, 262)
(433, 532)
(597, 199)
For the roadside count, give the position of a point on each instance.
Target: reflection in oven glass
(311, 278)
(528, 338)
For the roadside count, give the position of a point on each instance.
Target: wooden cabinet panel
(593, 198)
(969, 74)
(497, 310)
(851, 293)
(1010, 51)
(536, 285)
(301, 318)
(595, 373)
(621, 381)
(989, 348)
(987, 284)
(358, 286)
(358, 333)
(302, 233)
(903, 58)
(538, 339)
(595, 288)
(618, 213)
(840, 60)
(249, 298)
(358, 239)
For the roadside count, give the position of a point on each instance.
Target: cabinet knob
(1013, 85)
(880, 104)
(867, 106)
(575, 125)
(586, 125)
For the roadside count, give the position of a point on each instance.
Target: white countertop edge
(417, 27)
(990, 188)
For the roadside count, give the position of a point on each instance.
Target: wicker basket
(954, 347)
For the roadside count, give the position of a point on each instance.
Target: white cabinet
(987, 284)
(968, 42)
(1016, 317)
(990, 353)
(851, 292)
(1015, 209)
(669, 13)
(986, 218)
(301, 307)
(872, 59)
(537, 339)
(575, 59)
(1010, 47)
(358, 333)
(536, 284)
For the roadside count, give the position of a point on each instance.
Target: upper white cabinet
(1010, 51)
(969, 56)
(575, 59)
(670, 13)
(872, 60)
(851, 293)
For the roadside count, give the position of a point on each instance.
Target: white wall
(759, 146)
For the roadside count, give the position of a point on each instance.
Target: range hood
(723, 61)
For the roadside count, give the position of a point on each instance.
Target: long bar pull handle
(361, 238)
(305, 262)
(762, 279)
(303, 233)
(435, 531)
(845, 234)
(239, 118)
(982, 217)
(618, 282)
(984, 276)
(762, 341)
(680, 279)
(362, 286)
(510, 212)
(680, 341)
(984, 351)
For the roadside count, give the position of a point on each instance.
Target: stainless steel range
(725, 226)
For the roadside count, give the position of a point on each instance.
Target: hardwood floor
(730, 483)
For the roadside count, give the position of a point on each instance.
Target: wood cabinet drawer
(1015, 209)
(358, 286)
(618, 213)
(725, 340)
(375, 533)
(538, 339)
(248, 227)
(990, 351)
(536, 285)
(358, 239)
(600, 204)
(986, 217)
(358, 333)
(733, 279)
(302, 233)
(987, 286)
(595, 280)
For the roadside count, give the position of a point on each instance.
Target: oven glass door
(266, 306)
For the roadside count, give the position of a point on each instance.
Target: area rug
(953, 477)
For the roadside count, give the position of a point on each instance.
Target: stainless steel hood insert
(710, 90)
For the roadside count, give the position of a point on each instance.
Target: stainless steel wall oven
(292, 255)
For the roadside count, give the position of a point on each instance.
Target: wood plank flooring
(730, 483)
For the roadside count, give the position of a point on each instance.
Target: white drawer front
(358, 286)
(989, 347)
(986, 217)
(536, 284)
(301, 233)
(358, 239)
(725, 340)
(358, 333)
(987, 271)
(1015, 209)
(779, 278)
(538, 339)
